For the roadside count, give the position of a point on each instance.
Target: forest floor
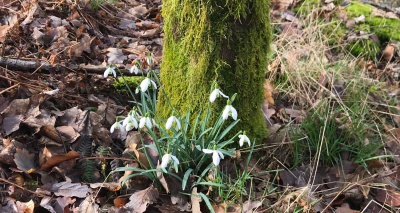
(331, 104)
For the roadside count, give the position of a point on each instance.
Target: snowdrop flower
(145, 84)
(215, 94)
(217, 155)
(167, 158)
(170, 121)
(146, 121)
(130, 122)
(244, 138)
(116, 125)
(229, 111)
(110, 70)
(134, 69)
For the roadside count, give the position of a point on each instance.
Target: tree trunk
(226, 41)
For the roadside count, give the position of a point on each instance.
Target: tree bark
(216, 41)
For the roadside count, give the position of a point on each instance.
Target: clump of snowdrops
(183, 147)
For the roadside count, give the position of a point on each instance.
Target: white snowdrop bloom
(134, 69)
(145, 84)
(116, 125)
(229, 111)
(243, 138)
(110, 70)
(167, 158)
(170, 121)
(130, 122)
(146, 121)
(217, 155)
(215, 94)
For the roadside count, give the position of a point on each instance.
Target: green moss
(365, 48)
(132, 81)
(356, 9)
(385, 28)
(212, 41)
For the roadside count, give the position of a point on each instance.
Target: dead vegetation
(333, 117)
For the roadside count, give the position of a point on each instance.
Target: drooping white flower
(229, 111)
(146, 121)
(145, 84)
(134, 69)
(215, 94)
(130, 122)
(170, 121)
(110, 70)
(116, 125)
(243, 138)
(167, 158)
(217, 155)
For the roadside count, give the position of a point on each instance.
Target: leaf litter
(55, 147)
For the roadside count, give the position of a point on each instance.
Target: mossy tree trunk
(213, 40)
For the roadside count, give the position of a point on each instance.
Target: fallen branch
(23, 65)
(382, 7)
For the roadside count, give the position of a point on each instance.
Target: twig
(25, 189)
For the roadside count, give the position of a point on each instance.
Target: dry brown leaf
(52, 133)
(110, 186)
(67, 189)
(119, 202)
(249, 206)
(25, 207)
(25, 161)
(88, 205)
(139, 11)
(68, 133)
(43, 156)
(345, 208)
(268, 90)
(140, 200)
(56, 159)
(115, 56)
(389, 197)
(388, 53)
(11, 123)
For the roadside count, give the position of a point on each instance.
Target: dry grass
(310, 74)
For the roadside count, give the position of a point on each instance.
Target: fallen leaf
(268, 89)
(388, 197)
(110, 186)
(115, 56)
(25, 161)
(56, 159)
(67, 189)
(388, 53)
(345, 208)
(25, 207)
(140, 200)
(88, 205)
(119, 202)
(249, 206)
